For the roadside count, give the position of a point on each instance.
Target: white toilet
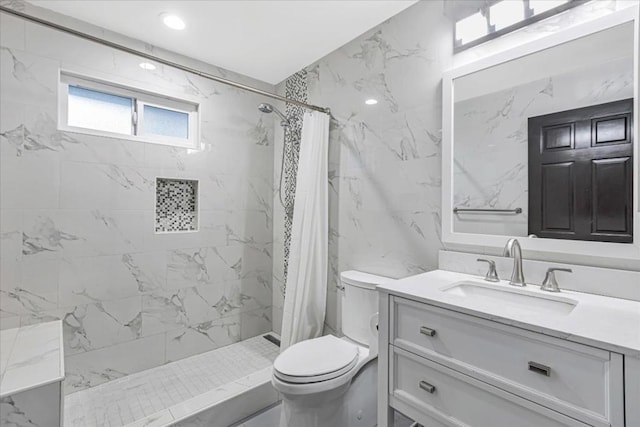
(330, 381)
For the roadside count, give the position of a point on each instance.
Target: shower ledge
(31, 375)
(221, 406)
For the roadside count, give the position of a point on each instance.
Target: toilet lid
(318, 359)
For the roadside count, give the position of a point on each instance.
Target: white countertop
(604, 322)
(30, 356)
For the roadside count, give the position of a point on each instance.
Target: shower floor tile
(168, 393)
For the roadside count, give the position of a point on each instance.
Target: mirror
(558, 90)
(543, 144)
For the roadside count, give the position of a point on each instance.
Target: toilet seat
(316, 360)
(317, 378)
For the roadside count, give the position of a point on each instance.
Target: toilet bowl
(331, 381)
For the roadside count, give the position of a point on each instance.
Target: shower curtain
(306, 285)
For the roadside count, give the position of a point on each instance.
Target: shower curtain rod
(159, 60)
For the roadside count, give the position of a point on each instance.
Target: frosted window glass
(160, 121)
(98, 110)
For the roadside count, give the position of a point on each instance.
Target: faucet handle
(492, 274)
(550, 284)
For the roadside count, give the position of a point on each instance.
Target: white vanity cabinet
(445, 368)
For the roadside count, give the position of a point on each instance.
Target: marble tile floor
(270, 417)
(168, 392)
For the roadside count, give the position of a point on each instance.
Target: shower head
(265, 108)
(268, 108)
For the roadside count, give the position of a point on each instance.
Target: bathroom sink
(522, 300)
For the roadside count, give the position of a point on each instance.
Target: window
(101, 108)
(501, 17)
(165, 122)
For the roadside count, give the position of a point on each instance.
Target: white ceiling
(265, 39)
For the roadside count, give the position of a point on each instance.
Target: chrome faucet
(550, 284)
(513, 249)
(492, 274)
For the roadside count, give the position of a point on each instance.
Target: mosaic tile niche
(176, 205)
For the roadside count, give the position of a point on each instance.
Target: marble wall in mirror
(492, 110)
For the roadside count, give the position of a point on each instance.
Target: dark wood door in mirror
(581, 173)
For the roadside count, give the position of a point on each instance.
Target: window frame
(140, 97)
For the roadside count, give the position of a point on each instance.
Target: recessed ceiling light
(371, 101)
(173, 21)
(147, 66)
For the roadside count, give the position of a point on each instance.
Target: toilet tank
(359, 304)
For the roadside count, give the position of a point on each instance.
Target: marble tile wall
(77, 213)
(39, 406)
(385, 160)
(279, 219)
(384, 163)
(493, 127)
(31, 375)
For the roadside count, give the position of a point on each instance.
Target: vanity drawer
(444, 397)
(575, 379)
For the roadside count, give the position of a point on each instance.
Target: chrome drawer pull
(427, 331)
(427, 387)
(540, 369)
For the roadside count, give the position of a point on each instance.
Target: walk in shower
(155, 256)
